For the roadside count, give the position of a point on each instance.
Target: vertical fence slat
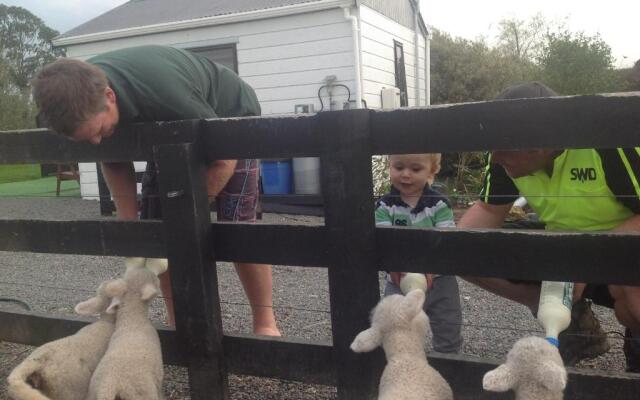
(353, 283)
(187, 220)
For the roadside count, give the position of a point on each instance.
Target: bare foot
(267, 331)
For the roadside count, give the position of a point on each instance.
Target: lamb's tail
(24, 380)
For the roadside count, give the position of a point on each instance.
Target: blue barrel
(276, 176)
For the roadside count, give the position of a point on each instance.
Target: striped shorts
(237, 201)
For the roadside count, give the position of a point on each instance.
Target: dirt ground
(55, 283)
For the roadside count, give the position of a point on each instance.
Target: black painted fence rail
(348, 244)
(602, 121)
(594, 257)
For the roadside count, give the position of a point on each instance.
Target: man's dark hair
(526, 90)
(68, 92)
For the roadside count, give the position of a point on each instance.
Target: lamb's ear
(106, 290)
(157, 265)
(553, 376)
(113, 306)
(367, 340)
(412, 304)
(114, 290)
(134, 262)
(148, 292)
(90, 307)
(499, 380)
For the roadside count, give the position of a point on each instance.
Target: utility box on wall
(306, 170)
(390, 98)
(304, 108)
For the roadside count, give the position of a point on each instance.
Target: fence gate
(349, 244)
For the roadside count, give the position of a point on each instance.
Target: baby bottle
(554, 309)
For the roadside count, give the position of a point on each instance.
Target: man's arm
(121, 179)
(483, 215)
(632, 224)
(218, 174)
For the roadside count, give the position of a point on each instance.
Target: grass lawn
(19, 172)
(43, 187)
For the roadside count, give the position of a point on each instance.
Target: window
(401, 78)
(225, 55)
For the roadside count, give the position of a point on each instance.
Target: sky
(616, 21)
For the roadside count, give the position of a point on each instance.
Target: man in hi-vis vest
(570, 190)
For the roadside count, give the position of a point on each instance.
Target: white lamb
(534, 370)
(132, 369)
(62, 369)
(400, 326)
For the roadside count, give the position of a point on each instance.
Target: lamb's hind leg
(144, 389)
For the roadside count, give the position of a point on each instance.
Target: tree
(522, 39)
(574, 63)
(633, 77)
(25, 44)
(464, 70)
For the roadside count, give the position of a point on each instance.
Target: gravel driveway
(55, 283)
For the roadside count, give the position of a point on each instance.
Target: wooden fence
(346, 244)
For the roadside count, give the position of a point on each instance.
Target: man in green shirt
(86, 101)
(570, 190)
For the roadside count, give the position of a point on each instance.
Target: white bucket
(306, 175)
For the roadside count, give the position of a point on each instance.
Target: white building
(330, 54)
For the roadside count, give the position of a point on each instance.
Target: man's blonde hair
(68, 92)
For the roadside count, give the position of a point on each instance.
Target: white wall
(285, 60)
(89, 179)
(377, 35)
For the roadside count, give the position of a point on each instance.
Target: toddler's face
(410, 173)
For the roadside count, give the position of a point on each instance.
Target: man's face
(101, 125)
(519, 163)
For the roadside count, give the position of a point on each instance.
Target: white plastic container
(412, 281)
(554, 309)
(306, 175)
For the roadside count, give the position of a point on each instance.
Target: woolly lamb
(400, 326)
(132, 369)
(534, 370)
(61, 370)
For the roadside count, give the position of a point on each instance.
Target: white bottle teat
(554, 309)
(411, 281)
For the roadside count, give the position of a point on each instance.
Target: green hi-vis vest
(575, 196)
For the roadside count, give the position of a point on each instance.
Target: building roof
(136, 13)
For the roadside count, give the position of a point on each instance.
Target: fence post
(347, 190)
(187, 221)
